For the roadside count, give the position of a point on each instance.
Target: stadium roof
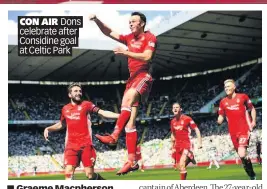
(214, 39)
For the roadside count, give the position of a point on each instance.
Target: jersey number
(242, 140)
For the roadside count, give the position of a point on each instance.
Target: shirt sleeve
(172, 130)
(151, 43)
(221, 109)
(248, 102)
(192, 124)
(123, 39)
(62, 118)
(91, 108)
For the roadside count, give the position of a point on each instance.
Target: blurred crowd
(31, 102)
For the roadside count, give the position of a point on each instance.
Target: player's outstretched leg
(130, 97)
(131, 144)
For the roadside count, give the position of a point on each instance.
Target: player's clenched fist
(92, 17)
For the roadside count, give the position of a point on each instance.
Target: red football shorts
(180, 151)
(85, 154)
(142, 83)
(240, 140)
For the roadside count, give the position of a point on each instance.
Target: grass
(226, 172)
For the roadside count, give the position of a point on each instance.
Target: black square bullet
(10, 186)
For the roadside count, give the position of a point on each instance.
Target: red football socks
(122, 121)
(183, 175)
(68, 177)
(131, 141)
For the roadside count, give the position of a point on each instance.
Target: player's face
(76, 94)
(176, 109)
(135, 24)
(229, 88)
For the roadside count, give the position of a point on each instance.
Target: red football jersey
(181, 129)
(236, 113)
(78, 123)
(145, 41)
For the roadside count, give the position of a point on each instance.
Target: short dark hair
(75, 84)
(142, 16)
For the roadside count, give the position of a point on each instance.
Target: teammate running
(181, 126)
(235, 107)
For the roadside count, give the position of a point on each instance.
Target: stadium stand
(46, 102)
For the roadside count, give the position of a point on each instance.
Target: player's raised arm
(105, 29)
(108, 114)
(56, 127)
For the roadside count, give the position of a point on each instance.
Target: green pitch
(227, 172)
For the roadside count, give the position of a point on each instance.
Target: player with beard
(78, 143)
(181, 126)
